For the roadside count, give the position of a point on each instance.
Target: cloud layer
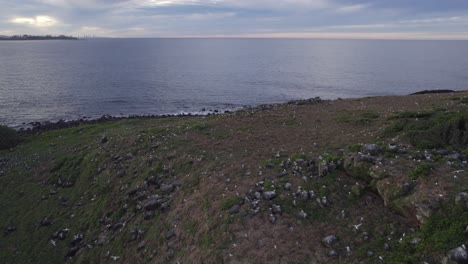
(418, 19)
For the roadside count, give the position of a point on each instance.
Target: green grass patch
(428, 130)
(421, 171)
(227, 204)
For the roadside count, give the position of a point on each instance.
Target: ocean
(52, 80)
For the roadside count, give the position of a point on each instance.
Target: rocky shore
(370, 180)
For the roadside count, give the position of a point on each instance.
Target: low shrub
(8, 137)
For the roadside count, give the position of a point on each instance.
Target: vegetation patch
(428, 130)
(227, 204)
(421, 171)
(8, 138)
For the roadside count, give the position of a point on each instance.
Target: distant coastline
(33, 37)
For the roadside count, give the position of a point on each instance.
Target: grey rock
(104, 139)
(459, 255)
(393, 148)
(462, 199)
(170, 234)
(148, 215)
(370, 253)
(276, 209)
(288, 186)
(304, 195)
(311, 195)
(283, 174)
(258, 195)
(302, 214)
(269, 195)
(60, 234)
(333, 253)
(154, 181)
(325, 201)
(386, 246)
(72, 252)
(415, 240)
(167, 188)
(141, 245)
(329, 240)
(45, 222)
(152, 204)
(133, 191)
(10, 230)
(272, 219)
(101, 240)
(370, 148)
(77, 240)
(234, 209)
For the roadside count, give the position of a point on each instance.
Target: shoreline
(37, 127)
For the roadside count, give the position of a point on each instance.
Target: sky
(376, 19)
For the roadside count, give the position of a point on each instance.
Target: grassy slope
(216, 159)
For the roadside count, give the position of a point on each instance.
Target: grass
(358, 117)
(228, 203)
(435, 129)
(421, 171)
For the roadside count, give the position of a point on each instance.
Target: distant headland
(34, 37)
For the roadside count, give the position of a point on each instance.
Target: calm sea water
(49, 80)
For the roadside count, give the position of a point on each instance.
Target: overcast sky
(400, 19)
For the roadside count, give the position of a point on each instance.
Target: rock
(288, 186)
(393, 148)
(369, 148)
(234, 209)
(101, 240)
(272, 219)
(358, 166)
(72, 252)
(133, 191)
(148, 215)
(283, 174)
(311, 195)
(415, 240)
(45, 222)
(304, 195)
(323, 169)
(258, 195)
(60, 234)
(10, 230)
(329, 240)
(459, 255)
(325, 201)
(141, 245)
(152, 204)
(462, 200)
(302, 215)
(77, 240)
(276, 209)
(332, 253)
(170, 234)
(154, 181)
(104, 139)
(370, 253)
(269, 195)
(386, 246)
(167, 188)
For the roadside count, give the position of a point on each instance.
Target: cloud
(38, 21)
(351, 8)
